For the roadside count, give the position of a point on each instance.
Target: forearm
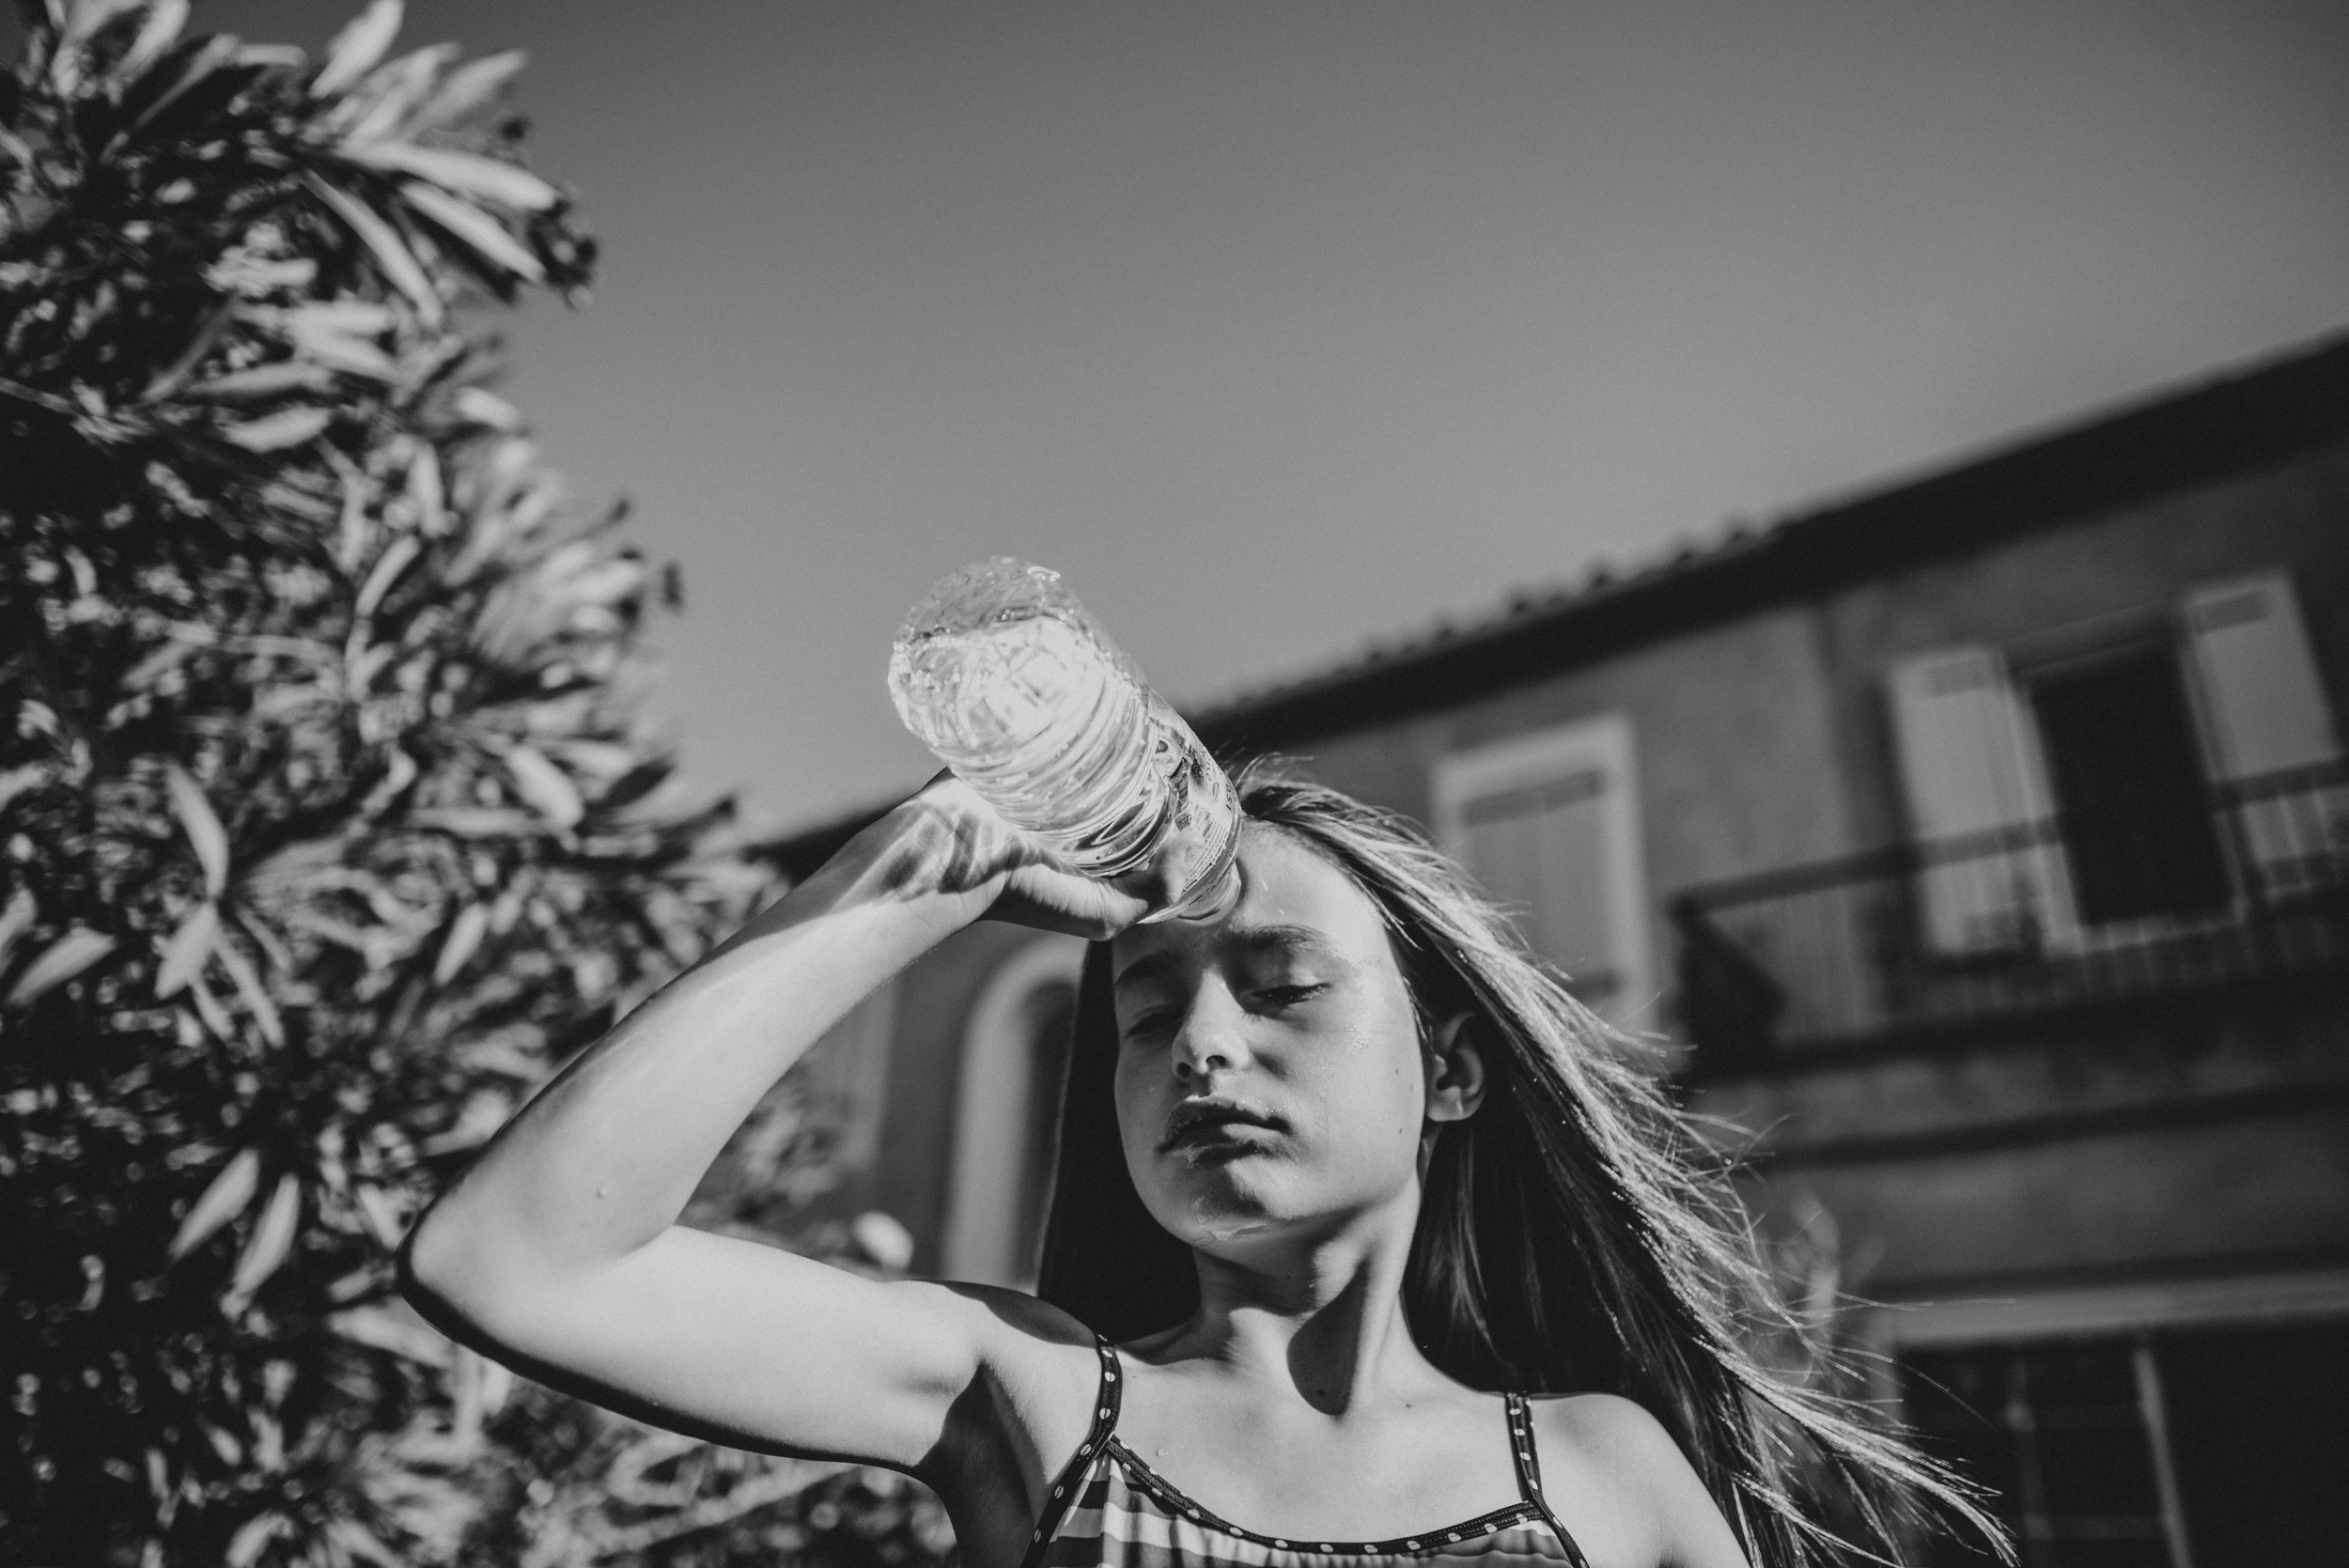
(606, 1157)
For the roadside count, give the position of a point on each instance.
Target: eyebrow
(1249, 940)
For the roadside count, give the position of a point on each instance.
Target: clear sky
(1280, 324)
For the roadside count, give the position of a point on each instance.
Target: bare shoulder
(1024, 1340)
(1622, 1485)
(1031, 1404)
(1605, 1427)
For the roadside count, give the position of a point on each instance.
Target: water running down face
(1271, 1077)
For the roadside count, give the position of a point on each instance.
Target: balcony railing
(2027, 919)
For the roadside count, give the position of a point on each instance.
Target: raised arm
(559, 1251)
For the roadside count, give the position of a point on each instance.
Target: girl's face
(1270, 1076)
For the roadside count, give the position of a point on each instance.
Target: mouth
(1202, 1125)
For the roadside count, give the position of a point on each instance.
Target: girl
(1367, 1240)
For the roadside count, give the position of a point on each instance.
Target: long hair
(1571, 1238)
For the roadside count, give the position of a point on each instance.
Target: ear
(1455, 1071)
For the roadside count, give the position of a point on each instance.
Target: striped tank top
(1107, 1509)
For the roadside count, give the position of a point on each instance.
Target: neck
(1322, 1315)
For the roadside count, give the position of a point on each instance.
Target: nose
(1212, 1039)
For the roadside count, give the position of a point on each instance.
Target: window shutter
(1548, 824)
(1541, 850)
(2264, 714)
(2265, 709)
(1979, 801)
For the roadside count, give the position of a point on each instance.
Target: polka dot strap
(1529, 1463)
(1066, 1484)
(1521, 1452)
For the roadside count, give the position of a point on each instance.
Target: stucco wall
(1733, 745)
(2191, 1134)
(2111, 568)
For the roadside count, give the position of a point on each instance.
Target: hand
(946, 840)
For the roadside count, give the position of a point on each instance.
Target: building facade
(1981, 844)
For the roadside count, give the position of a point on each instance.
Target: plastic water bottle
(1006, 677)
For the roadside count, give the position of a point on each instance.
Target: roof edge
(2171, 439)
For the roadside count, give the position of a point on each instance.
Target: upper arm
(756, 1348)
(1637, 1495)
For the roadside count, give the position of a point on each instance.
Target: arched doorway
(1015, 1052)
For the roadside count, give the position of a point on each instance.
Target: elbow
(422, 1267)
(474, 1280)
(438, 1270)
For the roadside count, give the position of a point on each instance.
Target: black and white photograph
(1173, 783)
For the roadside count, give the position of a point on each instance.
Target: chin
(1212, 1204)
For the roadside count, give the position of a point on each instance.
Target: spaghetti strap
(1105, 1407)
(1107, 1509)
(1528, 1459)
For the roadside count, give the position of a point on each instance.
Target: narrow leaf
(484, 407)
(263, 381)
(357, 1541)
(204, 830)
(340, 339)
(245, 1546)
(208, 1008)
(16, 781)
(16, 919)
(275, 432)
(382, 1214)
(488, 178)
(475, 229)
(222, 1201)
(547, 787)
(217, 52)
(427, 492)
(64, 958)
(357, 48)
(387, 569)
(157, 33)
(83, 22)
(398, 1329)
(256, 997)
(400, 264)
(475, 821)
(271, 1239)
(464, 940)
(396, 89)
(185, 954)
(351, 317)
(84, 19)
(467, 88)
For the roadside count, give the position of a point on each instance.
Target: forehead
(1292, 901)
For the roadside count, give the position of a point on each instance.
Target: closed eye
(1278, 996)
(1149, 1023)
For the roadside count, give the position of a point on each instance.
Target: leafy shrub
(330, 819)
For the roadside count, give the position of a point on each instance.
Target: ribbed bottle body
(1003, 673)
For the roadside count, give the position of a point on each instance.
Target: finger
(1067, 902)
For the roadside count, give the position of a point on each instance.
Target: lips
(1199, 1124)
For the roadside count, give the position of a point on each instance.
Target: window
(2206, 1448)
(1548, 824)
(2170, 775)
(2133, 808)
(1014, 1056)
